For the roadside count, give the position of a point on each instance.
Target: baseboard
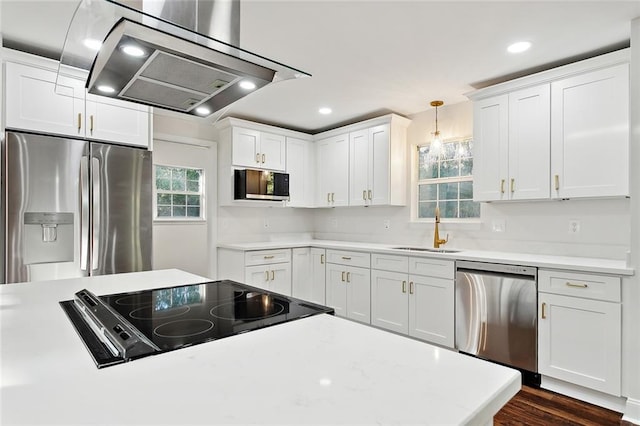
(631, 412)
(615, 403)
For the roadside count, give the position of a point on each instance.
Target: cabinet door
(529, 143)
(257, 276)
(318, 275)
(272, 151)
(490, 152)
(337, 289)
(389, 300)
(359, 294)
(301, 169)
(116, 121)
(332, 165)
(280, 278)
(301, 284)
(359, 162)
(590, 134)
(245, 148)
(431, 309)
(379, 169)
(579, 341)
(33, 102)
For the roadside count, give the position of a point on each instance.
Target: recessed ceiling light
(519, 47)
(325, 110)
(92, 43)
(106, 89)
(247, 85)
(132, 50)
(203, 111)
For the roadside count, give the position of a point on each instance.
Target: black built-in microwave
(260, 185)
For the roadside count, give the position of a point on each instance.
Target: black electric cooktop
(121, 327)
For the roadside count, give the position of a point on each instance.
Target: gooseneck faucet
(437, 242)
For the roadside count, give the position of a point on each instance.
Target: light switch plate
(574, 226)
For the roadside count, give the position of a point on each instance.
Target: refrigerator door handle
(95, 240)
(84, 213)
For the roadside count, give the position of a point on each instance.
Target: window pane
(179, 199)
(427, 166)
(163, 172)
(428, 192)
(466, 190)
(178, 173)
(193, 200)
(193, 211)
(179, 211)
(164, 199)
(469, 209)
(448, 191)
(193, 186)
(177, 184)
(193, 174)
(449, 208)
(448, 151)
(466, 166)
(426, 209)
(164, 211)
(449, 168)
(163, 184)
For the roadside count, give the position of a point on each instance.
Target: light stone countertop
(582, 264)
(316, 370)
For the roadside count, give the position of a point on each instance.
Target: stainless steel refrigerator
(74, 208)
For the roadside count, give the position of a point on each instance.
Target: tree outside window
(179, 193)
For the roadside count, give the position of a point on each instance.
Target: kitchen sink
(427, 249)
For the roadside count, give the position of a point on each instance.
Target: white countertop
(316, 370)
(583, 264)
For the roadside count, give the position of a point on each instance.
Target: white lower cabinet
(266, 269)
(420, 305)
(308, 274)
(579, 336)
(348, 288)
(274, 277)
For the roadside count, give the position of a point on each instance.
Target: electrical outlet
(387, 224)
(498, 225)
(574, 226)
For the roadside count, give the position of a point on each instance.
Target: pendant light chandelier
(436, 141)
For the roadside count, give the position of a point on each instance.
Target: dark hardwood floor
(539, 407)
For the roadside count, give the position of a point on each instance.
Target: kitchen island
(316, 370)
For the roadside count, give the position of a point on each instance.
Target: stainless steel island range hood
(153, 53)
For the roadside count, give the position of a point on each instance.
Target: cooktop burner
(120, 327)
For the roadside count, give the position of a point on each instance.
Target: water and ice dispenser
(48, 237)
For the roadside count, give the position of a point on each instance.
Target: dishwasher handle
(497, 268)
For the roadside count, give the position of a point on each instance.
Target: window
(179, 193)
(445, 179)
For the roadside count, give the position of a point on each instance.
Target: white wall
(190, 246)
(530, 227)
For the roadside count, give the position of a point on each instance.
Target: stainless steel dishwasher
(496, 314)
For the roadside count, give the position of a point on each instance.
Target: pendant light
(436, 142)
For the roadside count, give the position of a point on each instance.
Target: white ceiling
(370, 57)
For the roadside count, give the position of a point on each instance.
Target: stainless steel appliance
(496, 313)
(121, 327)
(260, 185)
(74, 208)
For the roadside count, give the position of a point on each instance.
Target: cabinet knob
(364, 194)
(370, 193)
(513, 185)
(348, 277)
(263, 158)
(410, 287)
(543, 309)
(257, 158)
(273, 275)
(79, 121)
(322, 259)
(266, 275)
(404, 286)
(343, 276)
(556, 179)
(502, 186)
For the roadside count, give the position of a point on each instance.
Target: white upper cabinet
(332, 166)
(590, 134)
(511, 140)
(301, 170)
(258, 150)
(562, 133)
(34, 103)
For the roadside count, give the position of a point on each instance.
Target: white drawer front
(432, 267)
(353, 258)
(265, 257)
(388, 262)
(590, 286)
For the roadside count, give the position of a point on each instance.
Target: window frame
(416, 182)
(201, 193)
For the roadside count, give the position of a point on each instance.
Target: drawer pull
(502, 186)
(348, 277)
(328, 197)
(268, 257)
(266, 275)
(410, 287)
(370, 194)
(557, 182)
(333, 197)
(364, 194)
(343, 276)
(578, 285)
(257, 158)
(513, 185)
(79, 121)
(346, 258)
(273, 275)
(322, 259)
(404, 286)
(544, 314)
(263, 158)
